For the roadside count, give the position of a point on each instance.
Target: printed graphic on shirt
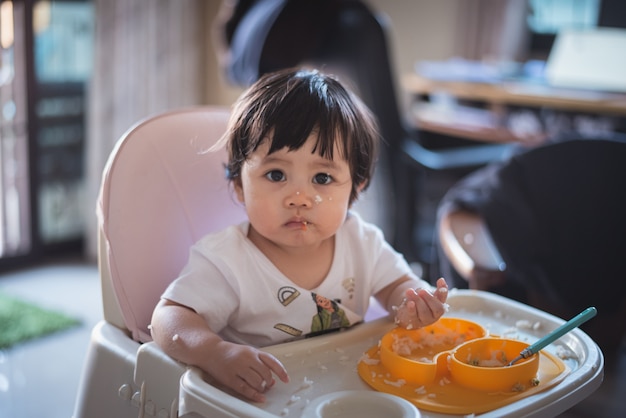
(287, 294)
(348, 284)
(294, 332)
(329, 317)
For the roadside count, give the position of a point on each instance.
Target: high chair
(162, 189)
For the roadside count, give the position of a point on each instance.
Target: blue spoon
(579, 319)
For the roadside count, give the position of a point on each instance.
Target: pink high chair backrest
(162, 190)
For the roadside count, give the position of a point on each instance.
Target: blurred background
(76, 74)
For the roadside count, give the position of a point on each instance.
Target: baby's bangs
(313, 105)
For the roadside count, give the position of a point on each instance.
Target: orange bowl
(482, 364)
(412, 355)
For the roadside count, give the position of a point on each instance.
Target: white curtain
(150, 56)
(492, 30)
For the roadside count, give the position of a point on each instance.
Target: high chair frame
(162, 189)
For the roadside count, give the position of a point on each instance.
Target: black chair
(547, 227)
(348, 38)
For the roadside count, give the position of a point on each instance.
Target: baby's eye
(322, 178)
(275, 175)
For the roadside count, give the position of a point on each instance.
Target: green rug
(21, 321)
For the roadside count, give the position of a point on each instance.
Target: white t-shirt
(246, 299)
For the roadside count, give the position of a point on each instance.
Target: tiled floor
(40, 378)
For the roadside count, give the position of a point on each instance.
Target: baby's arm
(184, 335)
(414, 302)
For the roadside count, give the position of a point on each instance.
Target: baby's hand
(420, 308)
(245, 369)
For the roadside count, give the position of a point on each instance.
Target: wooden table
(488, 122)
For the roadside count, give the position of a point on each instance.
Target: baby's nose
(298, 199)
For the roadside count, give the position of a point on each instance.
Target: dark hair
(286, 106)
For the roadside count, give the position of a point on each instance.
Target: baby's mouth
(299, 224)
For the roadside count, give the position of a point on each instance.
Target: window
(63, 39)
(15, 231)
(45, 63)
(547, 17)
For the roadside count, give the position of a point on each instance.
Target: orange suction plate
(429, 383)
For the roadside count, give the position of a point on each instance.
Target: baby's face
(295, 198)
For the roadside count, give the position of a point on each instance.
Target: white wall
(420, 29)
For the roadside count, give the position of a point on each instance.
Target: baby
(301, 150)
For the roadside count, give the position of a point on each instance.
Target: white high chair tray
(327, 364)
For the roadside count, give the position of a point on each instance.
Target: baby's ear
(359, 188)
(239, 190)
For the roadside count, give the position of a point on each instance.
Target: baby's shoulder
(356, 227)
(229, 238)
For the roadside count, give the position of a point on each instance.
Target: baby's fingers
(431, 306)
(275, 366)
(423, 309)
(441, 293)
(248, 390)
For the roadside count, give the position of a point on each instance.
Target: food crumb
(175, 337)
(398, 383)
(564, 353)
(293, 399)
(306, 383)
(284, 412)
(368, 360)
